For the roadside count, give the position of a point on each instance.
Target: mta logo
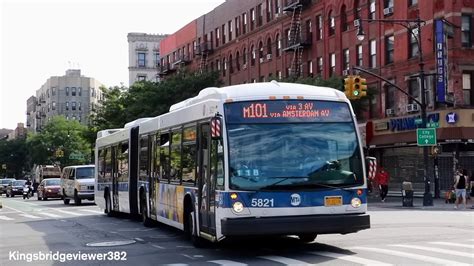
(295, 199)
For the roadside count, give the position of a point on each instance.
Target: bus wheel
(108, 205)
(147, 222)
(307, 237)
(196, 240)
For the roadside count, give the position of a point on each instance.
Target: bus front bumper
(294, 225)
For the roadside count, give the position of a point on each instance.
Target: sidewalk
(395, 202)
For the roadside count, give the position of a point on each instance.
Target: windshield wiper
(274, 185)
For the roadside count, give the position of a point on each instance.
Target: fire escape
(203, 50)
(298, 37)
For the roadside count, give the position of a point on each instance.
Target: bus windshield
(312, 153)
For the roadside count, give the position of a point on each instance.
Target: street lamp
(407, 23)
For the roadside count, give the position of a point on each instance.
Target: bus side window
(217, 163)
(165, 156)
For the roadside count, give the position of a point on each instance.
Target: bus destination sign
(287, 111)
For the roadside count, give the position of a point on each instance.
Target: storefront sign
(451, 118)
(441, 61)
(381, 126)
(408, 123)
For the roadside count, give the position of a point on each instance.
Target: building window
(244, 58)
(157, 59)
(346, 59)
(260, 15)
(141, 78)
(260, 51)
(320, 66)
(141, 59)
(79, 91)
(237, 27)
(277, 7)
(218, 36)
(224, 31)
(331, 24)
(413, 45)
(279, 75)
(73, 107)
(344, 25)
(73, 91)
(388, 7)
(310, 69)
(244, 18)
(372, 9)
(373, 54)
(389, 49)
(357, 9)
(413, 90)
(252, 19)
(467, 88)
(390, 96)
(237, 60)
(92, 92)
(412, 2)
(319, 27)
(47, 93)
(278, 50)
(229, 26)
(224, 66)
(79, 106)
(67, 91)
(360, 58)
(268, 4)
(54, 105)
(466, 30)
(231, 65)
(332, 64)
(67, 106)
(253, 56)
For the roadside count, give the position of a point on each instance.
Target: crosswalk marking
(227, 262)
(5, 218)
(68, 212)
(453, 244)
(285, 260)
(439, 250)
(350, 258)
(410, 255)
(29, 216)
(93, 211)
(50, 215)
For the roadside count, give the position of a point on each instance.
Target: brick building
(250, 41)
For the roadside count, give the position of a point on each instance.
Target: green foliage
(63, 135)
(13, 154)
(149, 99)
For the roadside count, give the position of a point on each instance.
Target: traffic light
(356, 87)
(348, 87)
(363, 87)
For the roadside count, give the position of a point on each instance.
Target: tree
(13, 154)
(60, 141)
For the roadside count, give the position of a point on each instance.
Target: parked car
(4, 183)
(49, 188)
(77, 182)
(15, 188)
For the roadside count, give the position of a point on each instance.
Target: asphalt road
(398, 236)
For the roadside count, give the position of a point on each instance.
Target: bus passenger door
(115, 183)
(205, 202)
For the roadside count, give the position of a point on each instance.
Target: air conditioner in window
(345, 72)
(412, 108)
(356, 22)
(389, 112)
(261, 60)
(269, 56)
(388, 11)
(244, 66)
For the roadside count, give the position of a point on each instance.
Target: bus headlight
(355, 202)
(238, 206)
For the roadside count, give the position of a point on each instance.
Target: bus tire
(197, 241)
(307, 237)
(147, 222)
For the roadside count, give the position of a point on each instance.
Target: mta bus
(246, 160)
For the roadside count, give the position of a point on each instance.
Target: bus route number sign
(297, 110)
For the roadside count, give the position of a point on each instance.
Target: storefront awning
(442, 134)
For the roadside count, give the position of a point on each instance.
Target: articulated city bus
(246, 160)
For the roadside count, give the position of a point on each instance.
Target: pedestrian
(460, 184)
(382, 179)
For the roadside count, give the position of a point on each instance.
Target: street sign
(418, 121)
(432, 124)
(76, 156)
(426, 136)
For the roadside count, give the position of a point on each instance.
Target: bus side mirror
(216, 128)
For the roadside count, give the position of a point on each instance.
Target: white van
(77, 182)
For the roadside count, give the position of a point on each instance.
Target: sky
(41, 38)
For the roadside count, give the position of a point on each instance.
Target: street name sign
(426, 136)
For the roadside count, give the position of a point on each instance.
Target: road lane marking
(350, 258)
(439, 250)
(29, 216)
(285, 260)
(411, 255)
(156, 246)
(227, 262)
(5, 218)
(452, 244)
